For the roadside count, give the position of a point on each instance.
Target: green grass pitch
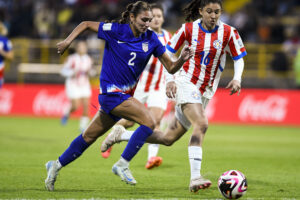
(268, 156)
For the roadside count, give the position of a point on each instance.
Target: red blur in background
(252, 106)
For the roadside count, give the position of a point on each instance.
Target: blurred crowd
(267, 21)
(258, 21)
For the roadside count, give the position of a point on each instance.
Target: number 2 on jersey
(130, 62)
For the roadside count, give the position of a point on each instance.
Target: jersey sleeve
(106, 30)
(235, 46)
(160, 49)
(7, 46)
(177, 40)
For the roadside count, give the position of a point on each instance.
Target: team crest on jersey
(145, 46)
(217, 44)
(195, 95)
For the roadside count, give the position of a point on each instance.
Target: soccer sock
(59, 166)
(126, 135)
(84, 122)
(122, 162)
(195, 156)
(136, 142)
(76, 148)
(152, 150)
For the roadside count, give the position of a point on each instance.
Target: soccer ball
(232, 184)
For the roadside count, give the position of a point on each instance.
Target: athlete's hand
(235, 86)
(62, 46)
(186, 53)
(171, 89)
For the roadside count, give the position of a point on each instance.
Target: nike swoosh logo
(120, 42)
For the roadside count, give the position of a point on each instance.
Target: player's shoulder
(150, 35)
(226, 27)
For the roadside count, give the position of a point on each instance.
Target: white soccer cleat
(113, 137)
(52, 172)
(199, 183)
(124, 173)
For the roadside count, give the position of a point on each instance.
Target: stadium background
(270, 97)
(269, 29)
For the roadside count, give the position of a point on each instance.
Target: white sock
(195, 157)
(122, 162)
(59, 166)
(126, 135)
(84, 122)
(152, 150)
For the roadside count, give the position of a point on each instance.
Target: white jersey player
(197, 81)
(77, 86)
(151, 88)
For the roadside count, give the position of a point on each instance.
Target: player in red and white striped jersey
(151, 88)
(198, 79)
(76, 70)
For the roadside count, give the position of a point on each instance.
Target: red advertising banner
(257, 106)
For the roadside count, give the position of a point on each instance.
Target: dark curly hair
(191, 11)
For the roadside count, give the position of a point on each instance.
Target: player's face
(158, 19)
(142, 21)
(210, 15)
(81, 48)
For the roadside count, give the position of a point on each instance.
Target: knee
(89, 138)
(168, 141)
(150, 122)
(201, 127)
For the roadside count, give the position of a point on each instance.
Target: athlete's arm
(235, 84)
(7, 55)
(173, 67)
(62, 46)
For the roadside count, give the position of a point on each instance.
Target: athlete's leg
(133, 110)
(153, 160)
(195, 113)
(101, 123)
(174, 132)
(126, 123)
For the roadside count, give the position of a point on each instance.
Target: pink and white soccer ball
(232, 184)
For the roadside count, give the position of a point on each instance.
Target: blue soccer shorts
(109, 101)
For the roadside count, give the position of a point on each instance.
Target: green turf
(268, 156)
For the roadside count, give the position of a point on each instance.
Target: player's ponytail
(135, 9)
(125, 15)
(191, 11)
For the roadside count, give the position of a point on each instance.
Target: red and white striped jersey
(80, 66)
(153, 77)
(205, 67)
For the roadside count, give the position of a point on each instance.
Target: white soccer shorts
(152, 98)
(187, 92)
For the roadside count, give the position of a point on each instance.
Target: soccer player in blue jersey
(5, 51)
(129, 46)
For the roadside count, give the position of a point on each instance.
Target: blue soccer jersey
(125, 56)
(5, 45)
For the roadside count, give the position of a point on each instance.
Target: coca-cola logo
(50, 104)
(6, 101)
(271, 109)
